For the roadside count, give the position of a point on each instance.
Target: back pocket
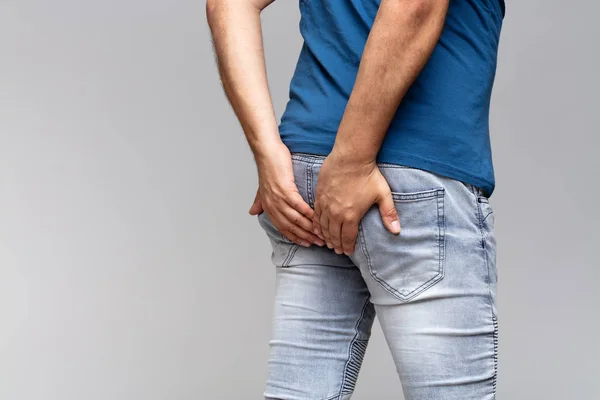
(411, 262)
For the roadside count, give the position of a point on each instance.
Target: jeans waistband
(318, 159)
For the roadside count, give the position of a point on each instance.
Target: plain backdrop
(129, 267)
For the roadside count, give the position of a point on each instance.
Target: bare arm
(237, 36)
(401, 41)
(403, 37)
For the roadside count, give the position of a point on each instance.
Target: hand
(278, 196)
(346, 189)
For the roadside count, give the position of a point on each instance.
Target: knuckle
(349, 215)
(390, 212)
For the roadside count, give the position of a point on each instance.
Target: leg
(434, 286)
(321, 326)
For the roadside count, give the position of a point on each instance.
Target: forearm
(401, 41)
(237, 37)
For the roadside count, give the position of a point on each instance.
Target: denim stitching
(347, 388)
(358, 350)
(417, 196)
(494, 317)
(308, 158)
(385, 165)
(441, 254)
(290, 255)
(441, 233)
(487, 215)
(309, 191)
(495, 336)
(487, 261)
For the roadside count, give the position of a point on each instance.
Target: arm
(236, 30)
(401, 41)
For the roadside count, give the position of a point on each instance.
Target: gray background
(129, 268)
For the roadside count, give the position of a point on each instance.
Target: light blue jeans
(433, 288)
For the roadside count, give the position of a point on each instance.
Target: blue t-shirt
(442, 124)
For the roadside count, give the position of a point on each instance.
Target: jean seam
(495, 356)
(483, 246)
(441, 255)
(350, 347)
(491, 299)
(309, 191)
(290, 255)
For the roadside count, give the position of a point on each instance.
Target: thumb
(256, 207)
(389, 215)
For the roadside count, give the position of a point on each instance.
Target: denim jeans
(432, 287)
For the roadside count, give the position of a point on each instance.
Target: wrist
(268, 156)
(266, 148)
(348, 156)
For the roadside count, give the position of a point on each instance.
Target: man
(374, 189)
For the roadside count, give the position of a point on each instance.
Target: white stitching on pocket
(404, 264)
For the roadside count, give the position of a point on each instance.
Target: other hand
(278, 196)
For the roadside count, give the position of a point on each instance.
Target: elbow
(212, 6)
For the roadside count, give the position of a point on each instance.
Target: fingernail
(305, 243)
(338, 251)
(396, 226)
(347, 253)
(319, 242)
(330, 246)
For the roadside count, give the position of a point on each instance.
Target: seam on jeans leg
(495, 336)
(351, 369)
(487, 262)
(491, 299)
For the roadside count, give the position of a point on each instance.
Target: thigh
(321, 327)
(434, 286)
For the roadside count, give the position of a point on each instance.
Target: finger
(324, 226)
(303, 226)
(349, 235)
(335, 233)
(304, 210)
(317, 230)
(296, 239)
(283, 226)
(294, 232)
(256, 207)
(389, 215)
(296, 201)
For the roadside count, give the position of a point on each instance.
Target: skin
(401, 41)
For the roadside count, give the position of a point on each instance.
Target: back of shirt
(442, 124)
